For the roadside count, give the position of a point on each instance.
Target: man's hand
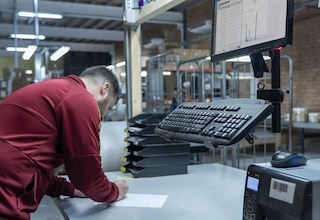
(123, 188)
(78, 193)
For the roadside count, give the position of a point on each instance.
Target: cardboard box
(19, 83)
(300, 114)
(313, 117)
(3, 93)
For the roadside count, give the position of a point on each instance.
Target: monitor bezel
(261, 47)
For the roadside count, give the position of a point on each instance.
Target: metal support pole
(224, 79)
(37, 55)
(128, 68)
(290, 99)
(16, 58)
(275, 84)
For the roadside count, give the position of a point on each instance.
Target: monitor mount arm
(275, 95)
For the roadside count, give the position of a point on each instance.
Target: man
(48, 123)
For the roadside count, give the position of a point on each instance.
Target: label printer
(282, 193)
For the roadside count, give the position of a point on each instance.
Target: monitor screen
(242, 27)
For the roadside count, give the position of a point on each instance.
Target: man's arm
(60, 187)
(80, 141)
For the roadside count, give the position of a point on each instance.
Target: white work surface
(208, 191)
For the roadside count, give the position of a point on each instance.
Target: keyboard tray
(222, 122)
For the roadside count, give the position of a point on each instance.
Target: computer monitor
(242, 27)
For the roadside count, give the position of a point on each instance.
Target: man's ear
(104, 88)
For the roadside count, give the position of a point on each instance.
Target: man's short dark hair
(101, 74)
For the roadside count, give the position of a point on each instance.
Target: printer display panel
(252, 183)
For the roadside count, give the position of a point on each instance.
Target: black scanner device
(285, 159)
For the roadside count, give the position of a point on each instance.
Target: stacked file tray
(151, 155)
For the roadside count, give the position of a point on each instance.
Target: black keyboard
(222, 122)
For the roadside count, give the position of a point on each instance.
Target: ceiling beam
(80, 10)
(155, 8)
(72, 33)
(79, 47)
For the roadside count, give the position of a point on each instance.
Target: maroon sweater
(42, 126)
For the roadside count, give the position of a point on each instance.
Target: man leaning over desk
(52, 122)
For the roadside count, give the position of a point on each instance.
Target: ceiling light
(201, 28)
(245, 59)
(29, 52)
(59, 53)
(40, 15)
(18, 49)
(27, 36)
(143, 73)
(166, 73)
(28, 72)
(110, 67)
(122, 63)
(154, 43)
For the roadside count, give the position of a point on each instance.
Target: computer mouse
(285, 159)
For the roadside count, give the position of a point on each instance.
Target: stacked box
(3, 89)
(16, 78)
(313, 117)
(300, 114)
(151, 155)
(4, 84)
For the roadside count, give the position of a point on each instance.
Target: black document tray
(155, 171)
(158, 150)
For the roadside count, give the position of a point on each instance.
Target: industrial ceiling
(87, 25)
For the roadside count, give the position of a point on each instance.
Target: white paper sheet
(142, 200)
